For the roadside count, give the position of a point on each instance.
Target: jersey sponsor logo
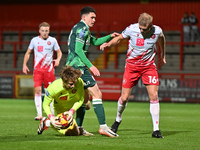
(47, 93)
(140, 42)
(153, 36)
(48, 43)
(82, 33)
(74, 91)
(40, 48)
(63, 98)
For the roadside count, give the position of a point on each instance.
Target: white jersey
(141, 50)
(43, 52)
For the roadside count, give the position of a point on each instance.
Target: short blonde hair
(145, 19)
(44, 24)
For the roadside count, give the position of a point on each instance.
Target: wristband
(72, 110)
(50, 115)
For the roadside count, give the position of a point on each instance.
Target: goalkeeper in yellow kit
(67, 95)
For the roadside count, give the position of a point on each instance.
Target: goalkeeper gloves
(70, 115)
(54, 121)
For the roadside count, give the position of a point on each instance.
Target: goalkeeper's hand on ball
(55, 121)
(69, 115)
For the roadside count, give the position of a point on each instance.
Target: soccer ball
(63, 120)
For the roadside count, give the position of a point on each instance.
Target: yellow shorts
(70, 131)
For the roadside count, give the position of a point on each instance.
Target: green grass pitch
(179, 124)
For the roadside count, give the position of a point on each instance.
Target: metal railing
(59, 28)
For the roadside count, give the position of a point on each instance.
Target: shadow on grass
(35, 138)
(168, 133)
(142, 132)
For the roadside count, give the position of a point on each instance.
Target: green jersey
(63, 100)
(79, 41)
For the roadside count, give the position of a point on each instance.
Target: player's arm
(162, 43)
(79, 50)
(77, 104)
(99, 41)
(46, 106)
(113, 42)
(47, 101)
(26, 58)
(59, 56)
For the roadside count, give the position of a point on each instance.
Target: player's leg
(121, 105)
(154, 109)
(44, 125)
(99, 110)
(38, 80)
(80, 114)
(151, 81)
(130, 79)
(38, 102)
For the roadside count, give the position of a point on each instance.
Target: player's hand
(55, 122)
(114, 34)
(69, 115)
(95, 71)
(25, 69)
(56, 63)
(103, 46)
(161, 61)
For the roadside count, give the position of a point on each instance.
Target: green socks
(80, 113)
(99, 110)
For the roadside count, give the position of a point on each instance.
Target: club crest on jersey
(138, 34)
(153, 36)
(48, 43)
(82, 33)
(74, 91)
(124, 81)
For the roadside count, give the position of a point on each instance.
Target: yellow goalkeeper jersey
(63, 100)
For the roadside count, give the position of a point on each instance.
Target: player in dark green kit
(79, 41)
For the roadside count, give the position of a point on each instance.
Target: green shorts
(87, 78)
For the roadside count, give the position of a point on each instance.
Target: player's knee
(124, 99)
(38, 91)
(153, 97)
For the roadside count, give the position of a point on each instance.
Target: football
(63, 120)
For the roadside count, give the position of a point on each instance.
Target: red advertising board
(110, 88)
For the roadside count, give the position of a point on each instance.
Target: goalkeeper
(67, 95)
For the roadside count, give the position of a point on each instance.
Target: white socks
(155, 110)
(47, 123)
(103, 126)
(120, 109)
(38, 104)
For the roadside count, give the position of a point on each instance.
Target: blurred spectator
(195, 36)
(186, 27)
